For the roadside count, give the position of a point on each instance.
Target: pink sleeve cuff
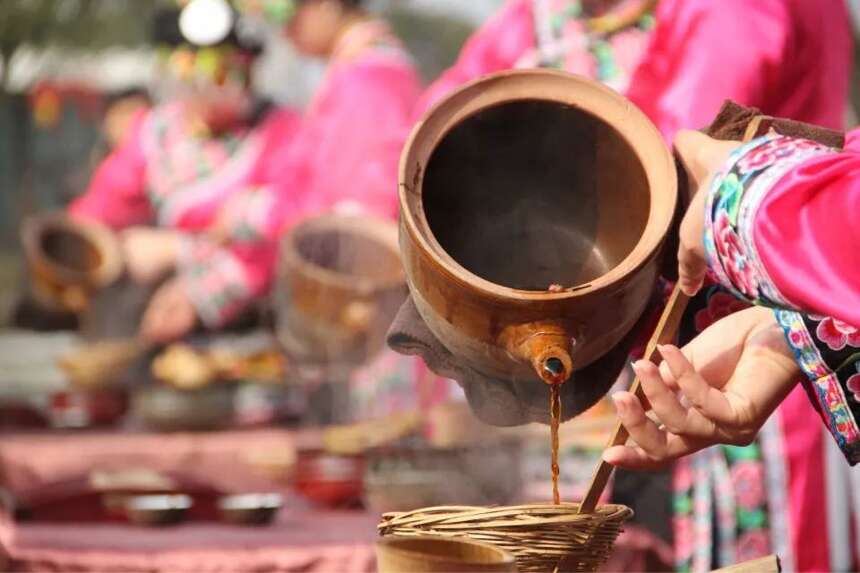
(733, 201)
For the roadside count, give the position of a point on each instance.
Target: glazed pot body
(340, 284)
(534, 207)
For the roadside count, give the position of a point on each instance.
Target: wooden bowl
(340, 284)
(436, 554)
(520, 181)
(69, 260)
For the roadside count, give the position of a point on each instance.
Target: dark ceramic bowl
(160, 509)
(250, 508)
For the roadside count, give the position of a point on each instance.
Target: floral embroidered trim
(214, 279)
(733, 201)
(833, 375)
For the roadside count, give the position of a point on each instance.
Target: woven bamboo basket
(542, 537)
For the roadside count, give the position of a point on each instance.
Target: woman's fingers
(692, 264)
(642, 429)
(701, 156)
(630, 457)
(637, 458)
(709, 401)
(689, 146)
(675, 416)
(692, 268)
(664, 402)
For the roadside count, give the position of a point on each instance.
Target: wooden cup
(440, 555)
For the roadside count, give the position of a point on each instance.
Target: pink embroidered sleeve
(227, 270)
(703, 52)
(781, 232)
(116, 195)
(496, 46)
(781, 229)
(224, 280)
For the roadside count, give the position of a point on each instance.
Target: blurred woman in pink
(349, 144)
(678, 60)
(345, 155)
(191, 185)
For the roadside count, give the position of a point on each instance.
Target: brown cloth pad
(732, 120)
(503, 402)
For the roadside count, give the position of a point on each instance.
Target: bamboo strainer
(542, 537)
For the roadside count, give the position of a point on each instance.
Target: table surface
(303, 540)
(300, 540)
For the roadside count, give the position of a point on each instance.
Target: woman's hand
(170, 314)
(731, 378)
(149, 253)
(702, 156)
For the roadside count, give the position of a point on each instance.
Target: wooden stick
(663, 334)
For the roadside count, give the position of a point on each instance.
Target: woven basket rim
(541, 536)
(538, 514)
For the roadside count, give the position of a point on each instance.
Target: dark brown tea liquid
(555, 419)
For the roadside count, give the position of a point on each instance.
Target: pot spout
(546, 346)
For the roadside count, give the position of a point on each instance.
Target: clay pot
(519, 181)
(69, 260)
(437, 554)
(340, 284)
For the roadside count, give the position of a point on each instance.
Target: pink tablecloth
(298, 541)
(218, 458)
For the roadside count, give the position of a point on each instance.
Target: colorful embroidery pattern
(833, 374)
(215, 280)
(179, 158)
(732, 204)
(726, 483)
(565, 43)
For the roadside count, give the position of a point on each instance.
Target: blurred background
(63, 61)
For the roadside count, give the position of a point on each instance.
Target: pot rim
(660, 172)
(380, 230)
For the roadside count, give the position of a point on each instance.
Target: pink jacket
(700, 53)
(218, 191)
